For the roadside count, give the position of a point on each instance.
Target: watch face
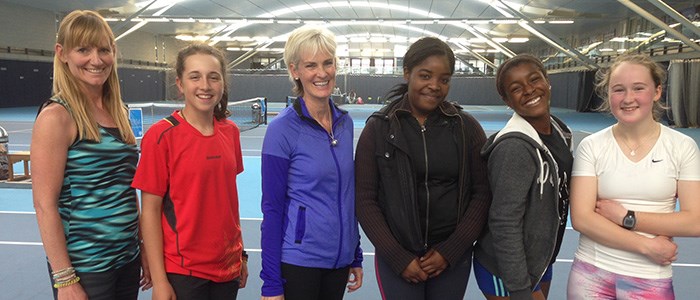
(629, 221)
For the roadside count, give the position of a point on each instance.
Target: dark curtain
(587, 99)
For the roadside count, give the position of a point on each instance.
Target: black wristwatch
(629, 221)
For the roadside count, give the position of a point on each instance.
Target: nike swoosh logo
(656, 160)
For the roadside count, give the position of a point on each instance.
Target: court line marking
(21, 243)
(17, 212)
(17, 145)
(564, 260)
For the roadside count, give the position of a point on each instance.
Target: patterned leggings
(589, 282)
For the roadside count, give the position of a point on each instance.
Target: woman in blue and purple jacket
(310, 236)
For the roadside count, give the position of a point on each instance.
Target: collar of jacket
(518, 127)
(393, 136)
(301, 110)
(518, 124)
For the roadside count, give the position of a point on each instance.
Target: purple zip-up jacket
(308, 195)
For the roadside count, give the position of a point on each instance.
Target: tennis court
(24, 272)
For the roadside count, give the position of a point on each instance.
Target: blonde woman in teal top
(84, 156)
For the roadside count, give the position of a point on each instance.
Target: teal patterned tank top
(97, 204)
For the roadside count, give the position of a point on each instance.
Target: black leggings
(122, 283)
(195, 288)
(449, 285)
(302, 283)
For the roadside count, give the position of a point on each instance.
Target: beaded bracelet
(61, 284)
(63, 273)
(65, 278)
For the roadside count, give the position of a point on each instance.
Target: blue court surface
(23, 270)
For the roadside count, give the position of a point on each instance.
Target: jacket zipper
(337, 168)
(556, 192)
(427, 190)
(340, 203)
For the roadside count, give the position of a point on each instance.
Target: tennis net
(247, 114)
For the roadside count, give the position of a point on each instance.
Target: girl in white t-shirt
(626, 179)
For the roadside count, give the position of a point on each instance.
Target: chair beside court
(15, 157)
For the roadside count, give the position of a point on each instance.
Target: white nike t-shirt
(647, 186)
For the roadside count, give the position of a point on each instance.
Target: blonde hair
(87, 28)
(306, 39)
(657, 73)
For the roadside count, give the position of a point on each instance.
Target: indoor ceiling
(470, 26)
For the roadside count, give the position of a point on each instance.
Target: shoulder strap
(54, 100)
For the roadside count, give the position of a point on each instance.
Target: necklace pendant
(633, 152)
(334, 142)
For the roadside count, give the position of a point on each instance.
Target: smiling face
(202, 82)
(527, 91)
(428, 84)
(632, 93)
(316, 72)
(90, 65)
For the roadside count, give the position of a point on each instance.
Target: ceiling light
(209, 20)
(263, 21)
(421, 22)
(184, 37)
(561, 22)
(181, 20)
(236, 21)
(450, 22)
(297, 21)
(504, 21)
(519, 40)
(618, 39)
(476, 22)
(156, 20)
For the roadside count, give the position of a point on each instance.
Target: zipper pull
(422, 128)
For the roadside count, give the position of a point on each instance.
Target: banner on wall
(136, 120)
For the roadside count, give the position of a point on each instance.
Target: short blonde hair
(306, 39)
(658, 75)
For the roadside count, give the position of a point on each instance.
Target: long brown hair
(220, 110)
